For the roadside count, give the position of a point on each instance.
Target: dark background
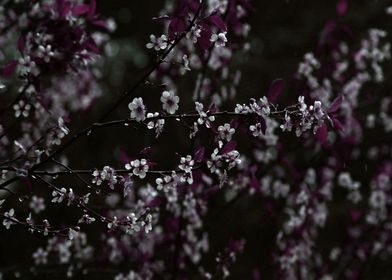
(282, 32)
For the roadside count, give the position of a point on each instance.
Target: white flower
(8, 218)
(186, 164)
(194, 34)
(204, 118)
(45, 52)
(86, 219)
(388, 10)
(226, 132)
(138, 167)
(62, 126)
(157, 43)
(138, 110)
(40, 256)
(288, 125)
(169, 102)
(37, 204)
(157, 123)
(219, 39)
(256, 130)
(58, 196)
(113, 224)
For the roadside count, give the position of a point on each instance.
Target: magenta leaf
(335, 105)
(355, 215)
(341, 7)
(100, 23)
(275, 90)
(92, 9)
(205, 36)
(199, 154)
(322, 134)
(80, 9)
(337, 124)
(21, 43)
(217, 20)
(9, 68)
(213, 109)
(176, 27)
(229, 147)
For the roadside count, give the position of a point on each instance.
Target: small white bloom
(7, 222)
(138, 110)
(186, 164)
(226, 132)
(157, 123)
(40, 256)
(219, 39)
(138, 167)
(159, 43)
(45, 52)
(170, 102)
(37, 204)
(389, 10)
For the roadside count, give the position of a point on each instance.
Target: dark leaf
(275, 90)
(341, 7)
(205, 36)
(80, 9)
(230, 146)
(212, 109)
(199, 154)
(335, 105)
(217, 20)
(21, 43)
(92, 9)
(337, 124)
(176, 27)
(322, 134)
(9, 68)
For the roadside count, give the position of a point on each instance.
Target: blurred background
(282, 32)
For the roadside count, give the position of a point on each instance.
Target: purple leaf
(275, 90)
(155, 202)
(217, 20)
(212, 109)
(355, 214)
(230, 146)
(205, 36)
(337, 124)
(176, 27)
(21, 43)
(100, 23)
(335, 105)
(199, 154)
(123, 157)
(341, 7)
(92, 9)
(80, 9)
(322, 134)
(9, 68)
